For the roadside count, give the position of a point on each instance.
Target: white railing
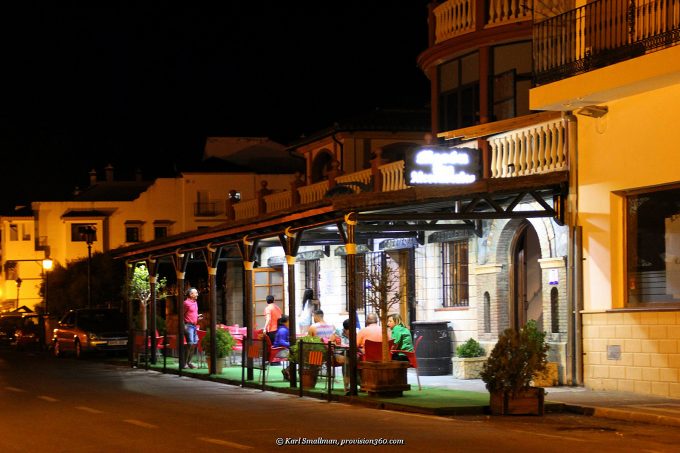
(392, 176)
(536, 149)
(313, 192)
(277, 201)
(507, 11)
(245, 209)
(454, 18)
(363, 176)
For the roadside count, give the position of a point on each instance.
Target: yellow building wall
(635, 145)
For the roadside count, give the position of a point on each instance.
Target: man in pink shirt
(372, 331)
(191, 318)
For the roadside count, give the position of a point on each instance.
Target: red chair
(412, 359)
(373, 350)
(199, 348)
(272, 354)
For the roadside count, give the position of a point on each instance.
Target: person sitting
(401, 336)
(322, 328)
(282, 334)
(372, 331)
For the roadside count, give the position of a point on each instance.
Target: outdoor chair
(199, 348)
(272, 354)
(412, 358)
(373, 350)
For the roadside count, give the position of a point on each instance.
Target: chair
(272, 354)
(373, 350)
(412, 359)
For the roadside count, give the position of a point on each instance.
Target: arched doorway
(526, 302)
(321, 165)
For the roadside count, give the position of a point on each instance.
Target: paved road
(65, 405)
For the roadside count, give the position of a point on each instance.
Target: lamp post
(18, 280)
(47, 266)
(90, 234)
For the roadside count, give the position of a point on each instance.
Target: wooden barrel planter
(309, 377)
(384, 378)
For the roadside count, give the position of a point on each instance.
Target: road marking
(15, 389)
(140, 423)
(49, 399)
(225, 443)
(533, 433)
(89, 409)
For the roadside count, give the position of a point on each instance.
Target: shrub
(310, 344)
(515, 359)
(470, 348)
(224, 341)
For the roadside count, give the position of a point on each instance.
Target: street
(68, 405)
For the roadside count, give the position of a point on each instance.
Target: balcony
(208, 208)
(525, 146)
(602, 33)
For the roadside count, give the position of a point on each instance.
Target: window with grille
(312, 269)
(455, 273)
(360, 284)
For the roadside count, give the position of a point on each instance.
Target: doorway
(526, 278)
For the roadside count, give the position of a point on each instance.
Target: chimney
(109, 173)
(93, 177)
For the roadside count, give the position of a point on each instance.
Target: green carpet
(427, 398)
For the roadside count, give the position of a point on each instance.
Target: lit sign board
(439, 165)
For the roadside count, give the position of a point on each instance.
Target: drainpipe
(342, 151)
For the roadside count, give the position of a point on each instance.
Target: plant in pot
(309, 373)
(224, 344)
(383, 291)
(469, 360)
(510, 368)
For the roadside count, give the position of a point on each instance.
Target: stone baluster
(264, 191)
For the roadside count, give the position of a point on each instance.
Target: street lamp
(47, 266)
(18, 280)
(90, 234)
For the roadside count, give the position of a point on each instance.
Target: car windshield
(101, 320)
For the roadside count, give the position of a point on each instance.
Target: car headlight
(92, 336)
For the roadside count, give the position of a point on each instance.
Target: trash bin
(434, 351)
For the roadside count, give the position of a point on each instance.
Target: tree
(382, 293)
(140, 290)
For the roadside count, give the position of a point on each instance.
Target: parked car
(90, 330)
(27, 335)
(10, 323)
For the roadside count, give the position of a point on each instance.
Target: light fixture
(593, 111)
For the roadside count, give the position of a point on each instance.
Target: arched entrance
(526, 302)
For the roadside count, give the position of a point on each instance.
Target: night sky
(143, 86)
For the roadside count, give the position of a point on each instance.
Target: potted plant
(308, 373)
(383, 291)
(224, 344)
(510, 368)
(469, 360)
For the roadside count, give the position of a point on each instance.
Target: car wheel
(77, 350)
(56, 349)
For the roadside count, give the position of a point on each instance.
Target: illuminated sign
(438, 165)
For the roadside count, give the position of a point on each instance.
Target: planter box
(384, 379)
(529, 402)
(548, 378)
(467, 368)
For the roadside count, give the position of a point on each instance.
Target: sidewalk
(444, 395)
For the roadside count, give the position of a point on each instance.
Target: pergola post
(290, 243)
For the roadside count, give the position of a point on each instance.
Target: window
(132, 234)
(455, 273)
(160, 232)
(360, 284)
(554, 311)
(312, 276)
(487, 312)
(459, 93)
(79, 232)
(653, 247)
(13, 232)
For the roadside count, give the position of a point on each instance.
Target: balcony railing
(602, 33)
(458, 17)
(208, 209)
(538, 147)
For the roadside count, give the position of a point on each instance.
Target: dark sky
(143, 86)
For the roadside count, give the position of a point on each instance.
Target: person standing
(272, 313)
(191, 318)
(309, 305)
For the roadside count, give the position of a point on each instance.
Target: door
(266, 281)
(527, 299)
